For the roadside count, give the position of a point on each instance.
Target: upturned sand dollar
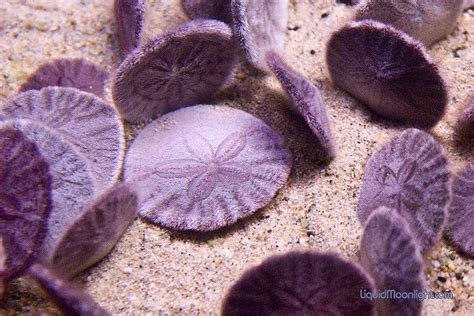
(411, 175)
(90, 125)
(129, 19)
(205, 167)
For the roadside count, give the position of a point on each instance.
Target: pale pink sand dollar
(388, 71)
(460, 225)
(411, 175)
(67, 296)
(95, 232)
(465, 123)
(92, 126)
(25, 202)
(392, 256)
(74, 73)
(182, 67)
(260, 26)
(208, 9)
(301, 283)
(426, 20)
(129, 19)
(307, 100)
(204, 167)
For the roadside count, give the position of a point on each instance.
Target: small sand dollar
(182, 67)
(307, 100)
(74, 73)
(205, 167)
(25, 202)
(465, 123)
(208, 9)
(426, 20)
(392, 256)
(409, 174)
(301, 283)
(129, 18)
(460, 225)
(388, 71)
(260, 26)
(95, 232)
(88, 123)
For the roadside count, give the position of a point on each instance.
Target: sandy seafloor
(153, 270)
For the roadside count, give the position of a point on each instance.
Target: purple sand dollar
(260, 26)
(73, 73)
(204, 167)
(426, 21)
(411, 175)
(388, 71)
(301, 283)
(129, 18)
(88, 123)
(392, 256)
(93, 235)
(208, 9)
(307, 100)
(460, 225)
(25, 202)
(465, 123)
(182, 67)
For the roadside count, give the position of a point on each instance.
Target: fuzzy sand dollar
(391, 254)
(208, 9)
(129, 18)
(460, 225)
(301, 283)
(465, 123)
(182, 67)
(426, 20)
(25, 201)
(307, 100)
(388, 71)
(74, 73)
(260, 26)
(409, 174)
(205, 167)
(88, 123)
(95, 232)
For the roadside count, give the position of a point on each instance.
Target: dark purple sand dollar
(426, 20)
(72, 73)
(92, 126)
(67, 296)
(460, 225)
(301, 283)
(72, 185)
(25, 201)
(465, 123)
(411, 175)
(129, 16)
(388, 71)
(307, 100)
(392, 256)
(208, 9)
(182, 67)
(93, 235)
(204, 167)
(260, 26)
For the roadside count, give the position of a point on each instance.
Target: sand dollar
(129, 18)
(208, 9)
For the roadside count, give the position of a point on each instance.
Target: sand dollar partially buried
(205, 167)
(208, 9)
(411, 175)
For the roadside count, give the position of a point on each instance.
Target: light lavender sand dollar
(208, 9)
(391, 254)
(68, 72)
(411, 175)
(307, 100)
(460, 225)
(388, 71)
(182, 67)
(92, 126)
(92, 235)
(427, 21)
(129, 19)
(301, 283)
(260, 26)
(204, 167)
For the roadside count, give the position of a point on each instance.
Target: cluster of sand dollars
(202, 167)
